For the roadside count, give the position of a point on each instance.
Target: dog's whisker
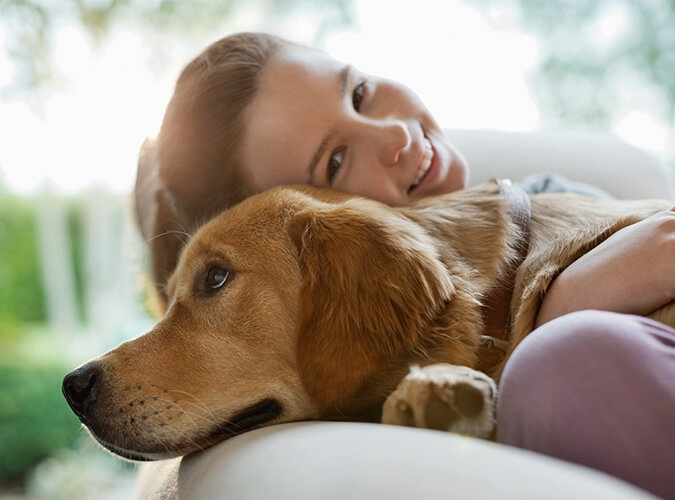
(187, 231)
(235, 426)
(180, 225)
(198, 403)
(174, 403)
(179, 433)
(177, 405)
(188, 413)
(171, 232)
(206, 415)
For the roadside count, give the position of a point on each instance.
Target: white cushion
(342, 460)
(601, 160)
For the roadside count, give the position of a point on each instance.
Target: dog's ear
(372, 285)
(157, 219)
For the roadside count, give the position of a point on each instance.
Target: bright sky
(88, 132)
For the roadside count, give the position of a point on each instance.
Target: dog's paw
(444, 397)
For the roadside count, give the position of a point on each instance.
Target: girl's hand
(632, 271)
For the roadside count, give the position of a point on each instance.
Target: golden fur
(329, 300)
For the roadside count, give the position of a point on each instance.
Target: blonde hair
(194, 170)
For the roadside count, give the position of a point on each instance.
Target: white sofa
(341, 460)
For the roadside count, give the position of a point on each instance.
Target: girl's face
(316, 121)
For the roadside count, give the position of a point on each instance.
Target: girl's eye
(358, 94)
(334, 164)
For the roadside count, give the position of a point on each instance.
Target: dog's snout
(79, 388)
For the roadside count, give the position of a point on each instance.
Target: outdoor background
(83, 82)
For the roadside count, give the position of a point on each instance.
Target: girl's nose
(390, 138)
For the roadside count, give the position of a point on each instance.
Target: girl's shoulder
(554, 183)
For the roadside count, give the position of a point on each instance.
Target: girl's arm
(633, 271)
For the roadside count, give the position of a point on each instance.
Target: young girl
(254, 111)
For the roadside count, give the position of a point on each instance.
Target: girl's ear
(372, 286)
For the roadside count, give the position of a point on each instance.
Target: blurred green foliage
(591, 53)
(35, 420)
(34, 417)
(21, 296)
(74, 210)
(22, 299)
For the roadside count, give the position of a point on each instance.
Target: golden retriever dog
(301, 303)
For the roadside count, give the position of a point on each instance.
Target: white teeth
(427, 156)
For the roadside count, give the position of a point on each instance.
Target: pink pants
(598, 389)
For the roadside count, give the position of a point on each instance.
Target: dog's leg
(444, 397)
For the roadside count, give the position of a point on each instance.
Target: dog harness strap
(495, 345)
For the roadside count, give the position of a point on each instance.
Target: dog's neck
(490, 233)
(496, 343)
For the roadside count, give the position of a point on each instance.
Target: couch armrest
(338, 460)
(328, 460)
(598, 159)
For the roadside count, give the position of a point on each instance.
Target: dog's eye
(216, 277)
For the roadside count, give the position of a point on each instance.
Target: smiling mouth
(425, 164)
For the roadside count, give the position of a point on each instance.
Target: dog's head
(295, 304)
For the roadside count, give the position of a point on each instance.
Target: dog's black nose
(79, 388)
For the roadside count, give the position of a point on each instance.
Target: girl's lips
(431, 172)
